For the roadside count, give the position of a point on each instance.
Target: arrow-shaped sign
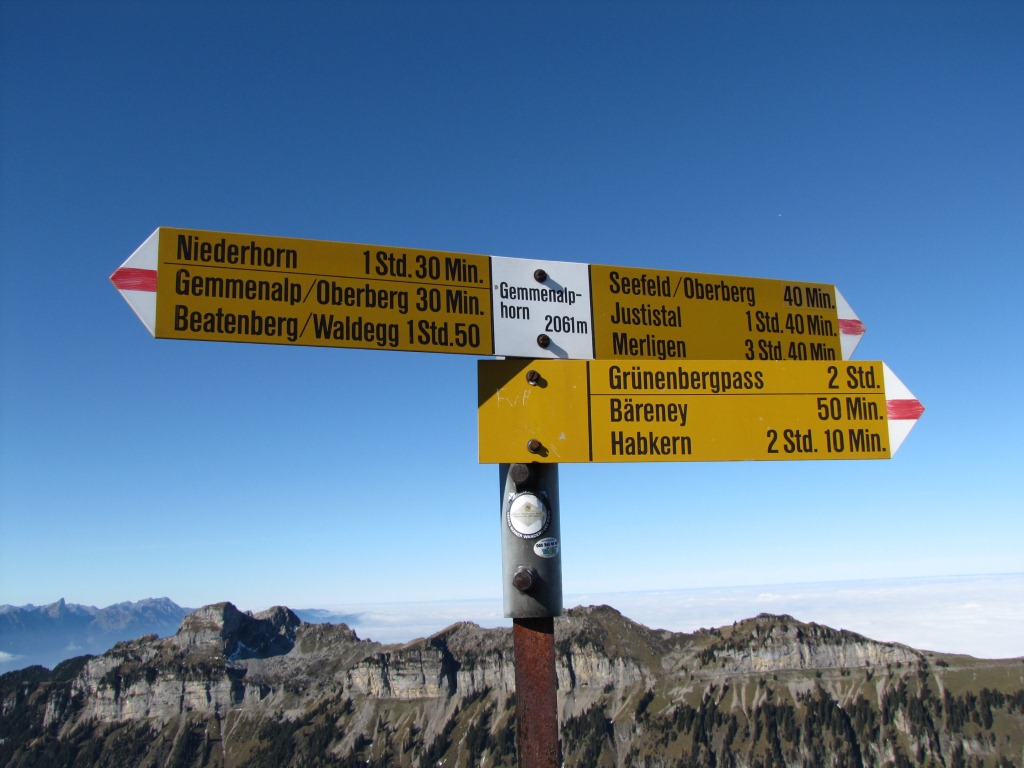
(215, 286)
(723, 410)
(212, 286)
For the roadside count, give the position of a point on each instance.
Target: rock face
(223, 629)
(236, 689)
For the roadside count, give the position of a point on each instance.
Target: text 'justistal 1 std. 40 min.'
(190, 284)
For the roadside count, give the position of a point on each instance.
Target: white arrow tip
(851, 329)
(136, 280)
(902, 407)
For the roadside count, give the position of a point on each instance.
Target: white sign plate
(533, 298)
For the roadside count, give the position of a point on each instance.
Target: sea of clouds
(981, 616)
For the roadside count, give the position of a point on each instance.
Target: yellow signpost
(641, 411)
(664, 315)
(217, 286)
(212, 286)
(606, 364)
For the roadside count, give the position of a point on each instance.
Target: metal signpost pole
(531, 566)
(536, 702)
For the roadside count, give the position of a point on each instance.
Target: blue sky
(874, 146)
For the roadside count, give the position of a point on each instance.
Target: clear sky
(875, 146)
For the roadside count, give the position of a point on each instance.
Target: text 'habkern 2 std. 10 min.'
(714, 410)
(792, 337)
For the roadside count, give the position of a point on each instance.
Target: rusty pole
(536, 705)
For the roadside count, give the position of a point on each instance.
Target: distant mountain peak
(47, 635)
(225, 629)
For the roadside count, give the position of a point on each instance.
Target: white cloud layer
(976, 615)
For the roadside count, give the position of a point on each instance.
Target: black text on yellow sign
(645, 411)
(665, 315)
(215, 286)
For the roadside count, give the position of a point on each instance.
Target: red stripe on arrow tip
(851, 327)
(904, 409)
(133, 279)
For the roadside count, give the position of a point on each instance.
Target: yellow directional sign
(212, 286)
(630, 411)
(216, 286)
(651, 314)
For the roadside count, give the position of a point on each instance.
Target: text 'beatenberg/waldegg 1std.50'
(212, 286)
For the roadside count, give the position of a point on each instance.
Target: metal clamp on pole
(531, 563)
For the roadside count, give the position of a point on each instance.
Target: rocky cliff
(236, 689)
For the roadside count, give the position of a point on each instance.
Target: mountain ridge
(236, 688)
(50, 634)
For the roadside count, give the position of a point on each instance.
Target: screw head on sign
(540, 275)
(532, 377)
(543, 341)
(533, 445)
